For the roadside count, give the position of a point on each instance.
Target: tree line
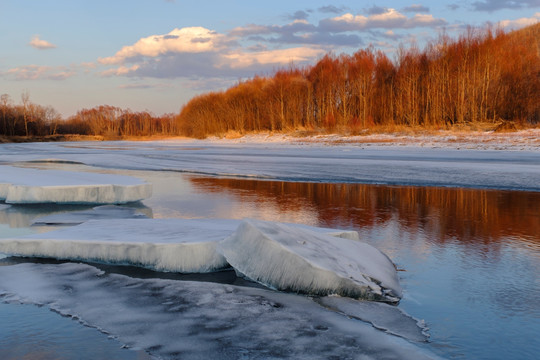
(31, 120)
(484, 75)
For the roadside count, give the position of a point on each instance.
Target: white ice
(179, 245)
(290, 258)
(348, 162)
(33, 186)
(175, 245)
(194, 320)
(97, 213)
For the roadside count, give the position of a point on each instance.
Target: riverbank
(527, 139)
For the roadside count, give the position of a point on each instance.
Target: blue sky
(156, 54)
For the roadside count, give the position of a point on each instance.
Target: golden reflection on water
(444, 214)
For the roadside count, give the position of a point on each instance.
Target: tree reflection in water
(479, 217)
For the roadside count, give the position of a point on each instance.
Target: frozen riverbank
(514, 167)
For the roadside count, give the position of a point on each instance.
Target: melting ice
(289, 258)
(32, 186)
(181, 245)
(182, 319)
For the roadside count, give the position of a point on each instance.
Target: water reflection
(24, 215)
(469, 216)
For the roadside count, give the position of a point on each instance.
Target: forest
(483, 76)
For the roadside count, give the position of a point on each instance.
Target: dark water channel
(469, 259)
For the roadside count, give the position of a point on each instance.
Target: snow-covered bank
(31, 186)
(185, 319)
(524, 140)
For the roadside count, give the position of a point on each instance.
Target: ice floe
(33, 186)
(289, 258)
(175, 245)
(179, 245)
(183, 319)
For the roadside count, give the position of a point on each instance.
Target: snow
(33, 186)
(175, 245)
(290, 258)
(97, 213)
(195, 320)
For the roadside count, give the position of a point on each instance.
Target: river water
(469, 259)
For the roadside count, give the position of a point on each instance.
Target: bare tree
(25, 99)
(4, 102)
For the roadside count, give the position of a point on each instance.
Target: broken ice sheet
(34, 186)
(177, 245)
(295, 259)
(180, 245)
(384, 317)
(183, 319)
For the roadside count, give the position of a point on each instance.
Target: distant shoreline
(528, 140)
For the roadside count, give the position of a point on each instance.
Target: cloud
(331, 9)
(299, 15)
(390, 19)
(376, 10)
(519, 23)
(144, 86)
(185, 40)
(415, 8)
(202, 53)
(40, 44)
(291, 28)
(242, 59)
(37, 72)
(299, 32)
(493, 5)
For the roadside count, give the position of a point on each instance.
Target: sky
(155, 55)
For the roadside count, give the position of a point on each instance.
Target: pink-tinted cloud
(521, 22)
(37, 72)
(40, 44)
(185, 40)
(389, 19)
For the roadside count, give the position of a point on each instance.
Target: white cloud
(389, 19)
(185, 40)
(37, 72)
(121, 70)
(197, 52)
(242, 59)
(519, 23)
(40, 44)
